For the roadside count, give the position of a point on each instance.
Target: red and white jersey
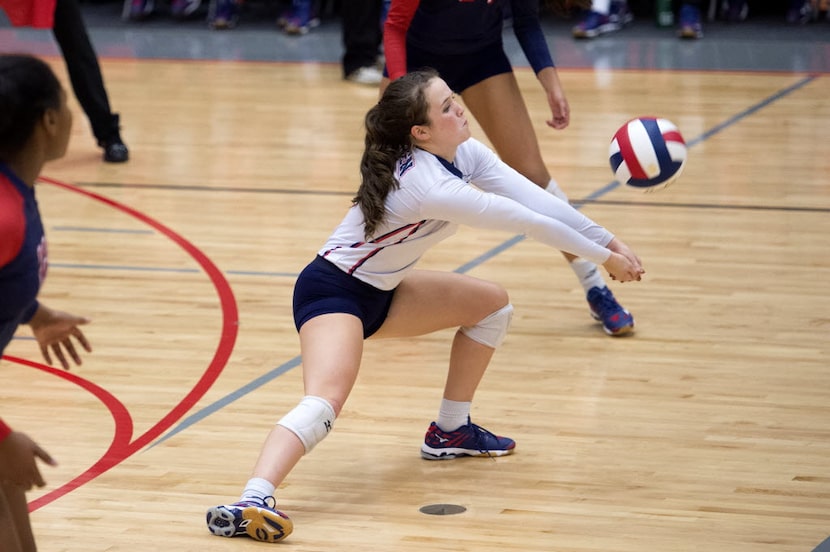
(435, 196)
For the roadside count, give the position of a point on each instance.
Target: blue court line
(823, 547)
(162, 269)
(265, 378)
(102, 230)
(169, 269)
(122, 267)
(749, 111)
(227, 399)
(257, 273)
(481, 259)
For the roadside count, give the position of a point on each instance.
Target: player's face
(447, 123)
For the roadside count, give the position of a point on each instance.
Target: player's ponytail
(388, 138)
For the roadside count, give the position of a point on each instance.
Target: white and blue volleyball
(647, 153)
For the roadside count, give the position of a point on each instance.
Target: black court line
(223, 189)
(714, 206)
(576, 203)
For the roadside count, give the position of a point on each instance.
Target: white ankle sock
(258, 488)
(601, 6)
(554, 189)
(588, 274)
(452, 415)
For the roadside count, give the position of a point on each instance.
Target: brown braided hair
(388, 137)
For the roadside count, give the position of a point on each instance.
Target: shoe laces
(604, 302)
(269, 501)
(481, 435)
(592, 19)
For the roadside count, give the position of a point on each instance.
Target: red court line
(121, 447)
(120, 441)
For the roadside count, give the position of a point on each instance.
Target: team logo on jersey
(406, 163)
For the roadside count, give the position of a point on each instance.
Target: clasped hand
(623, 265)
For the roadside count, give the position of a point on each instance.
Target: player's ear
(49, 119)
(419, 132)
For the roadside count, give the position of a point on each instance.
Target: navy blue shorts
(322, 288)
(461, 71)
(7, 330)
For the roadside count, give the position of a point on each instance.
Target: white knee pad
(554, 189)
(492, 329)
(310, 421)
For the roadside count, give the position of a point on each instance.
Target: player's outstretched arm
(53, 331)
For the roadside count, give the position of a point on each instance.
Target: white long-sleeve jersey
(435, 196)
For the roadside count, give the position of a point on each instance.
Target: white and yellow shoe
(259, 520)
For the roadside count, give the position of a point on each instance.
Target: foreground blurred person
(34, 128)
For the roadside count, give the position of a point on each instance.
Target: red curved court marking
(120, 441)
(121, 448)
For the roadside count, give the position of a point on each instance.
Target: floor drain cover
(442, 509)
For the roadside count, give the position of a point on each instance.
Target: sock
(258, 488)
(588, 274)
(586, 271)
(601, 6)
(554, 189)
(452, 415)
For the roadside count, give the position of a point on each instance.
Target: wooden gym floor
(709, 429)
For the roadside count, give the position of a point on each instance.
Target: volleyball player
(422, 176)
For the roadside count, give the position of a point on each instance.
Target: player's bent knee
(493, 294)
(310, 421)
(492, 329)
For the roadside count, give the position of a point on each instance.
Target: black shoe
(109, 138)
(116, 151)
